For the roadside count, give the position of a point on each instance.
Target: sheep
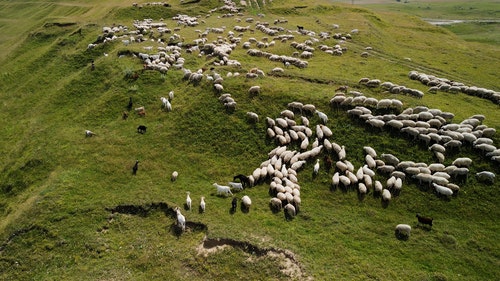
(386, 195)
(486, 176)
(188, 201)
(462, 162)
(89, 133)
(174, 176)
(166, 104)
(322, 116)
(403, 231)
(424, 220)
(141, 129)
(135, 167)
(223, 189)
(253, 117)
(442, 190)
(316, 167)
(289, 211)
(254, 90)
(181, 220)
(202, 204)
(234, 204)
(236, 185)
(246, 202)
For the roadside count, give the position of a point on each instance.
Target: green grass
(57, 187)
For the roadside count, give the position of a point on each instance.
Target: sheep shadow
(200, 210)
(186, 207)
(423, 227)
(361, 196)
(176, 230)
(401, 236)
(232, 211)
(275, 210)
(244, 209)
(385, 203)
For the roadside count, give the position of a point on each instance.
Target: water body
(450, 22)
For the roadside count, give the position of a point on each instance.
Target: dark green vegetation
(58, 189)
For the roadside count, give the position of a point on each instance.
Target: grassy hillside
(70, 206)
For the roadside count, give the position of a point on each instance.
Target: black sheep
(424, 220)
(234, 204)
(136, 166)
(130, 104)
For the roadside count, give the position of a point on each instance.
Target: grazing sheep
(403, 231)
(442, 190)
(386, 195)
(188, 201)
(135, 167)
(166, 104)
(246, 202)
(275, 204)
(141, 129)
(174, 176)
(486, 176)
(223, 189)
(202, 204)
(89, 133)
(181, 220)
(424, 220)
(462, 162)
(322, 116)
(253, 117)
(254, 91)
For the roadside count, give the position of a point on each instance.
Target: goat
(223, 189)
(424, 220)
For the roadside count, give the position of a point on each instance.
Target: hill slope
(71, 207)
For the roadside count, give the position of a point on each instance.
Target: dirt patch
(289, 265)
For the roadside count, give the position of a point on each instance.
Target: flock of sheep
(298, 141)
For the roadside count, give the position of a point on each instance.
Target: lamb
(181, 220)
(246, 201)
(223, 189)
(202, 204)
(403, 231)
(174, 176)
(486, 176)
(236, 185)
(188, 201)
(424, 220)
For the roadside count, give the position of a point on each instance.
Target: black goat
(141, 129)
(135, 168)
(424, 220)
(130, 104)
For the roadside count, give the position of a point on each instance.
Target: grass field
(70, 208)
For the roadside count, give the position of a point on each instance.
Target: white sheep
(322, 116)
(202, 204)
(181, 220)
(316, 167)
(246, 201)
(486, 176)
(403, 231)
(442, 190)
(386, 195)
(188, 201)
(174, 176)
(275, 203)
(166, 104)
(462, 162)
(89, 133)
(254, 90)
(223, 189)
(236, 185)
(253, 117)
